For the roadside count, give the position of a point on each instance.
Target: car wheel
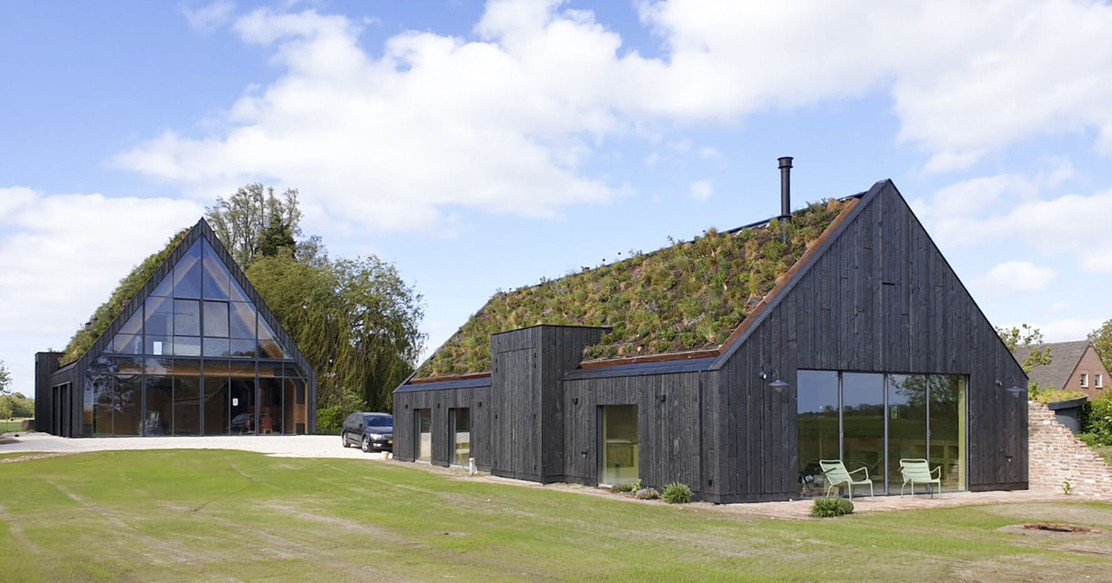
(344, 440)
(366, 444)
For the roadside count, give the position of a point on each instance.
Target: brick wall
(1056, 455)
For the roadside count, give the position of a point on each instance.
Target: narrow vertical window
(424, 434)
(1084, 379)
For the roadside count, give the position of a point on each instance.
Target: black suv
(370, 431)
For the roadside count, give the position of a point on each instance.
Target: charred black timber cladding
(877, 296)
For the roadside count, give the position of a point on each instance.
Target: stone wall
(1055, 455)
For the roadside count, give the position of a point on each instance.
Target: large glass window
(948, 425)
(817, 428)
(159, 417)
(874, 420)
(619, 444)
(216, 319)
(907, 422)
(461, 435)
(187, 273)
(217, 400)
(863, 423)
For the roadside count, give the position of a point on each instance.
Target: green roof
(690, 296)
(84, 338)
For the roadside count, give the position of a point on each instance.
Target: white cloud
(1067, 329)
(1015, 277)
(965, 77)
(701, 190)
(395, 137)
(59, 270)
(210, 17)
(390, 142)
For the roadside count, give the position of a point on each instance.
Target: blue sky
(483, 146)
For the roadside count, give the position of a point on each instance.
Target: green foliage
(16, 406)
(1025, 336)
(355, 320)
(687, 296)
(1098, 422)
(1053, 396)
(676, 493)
(254, 219)
(331, 419)
(222, 509)
(1102, 342)
(831, 507)
(5, 378)
(627, 488)
(128, 287)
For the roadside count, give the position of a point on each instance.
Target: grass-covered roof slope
(129, 286)
(686, 297)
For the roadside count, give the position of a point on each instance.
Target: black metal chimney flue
(785, 196)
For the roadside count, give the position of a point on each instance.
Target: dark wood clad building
(865, 347)
(194, 352)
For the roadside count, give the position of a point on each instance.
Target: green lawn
(9, 425)
(228, 515)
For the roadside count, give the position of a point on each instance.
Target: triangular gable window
(187, 273)
(218, 281)
(268, 344)
(199, 309)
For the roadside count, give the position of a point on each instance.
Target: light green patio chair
(916, 471)
(837, 476)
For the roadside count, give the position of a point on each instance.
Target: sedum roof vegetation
(686, 297)
(128, 287)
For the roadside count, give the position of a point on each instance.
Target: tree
(5, 378)
(253, 217)
(1025, 336)
(356, 321)
(1102, 341)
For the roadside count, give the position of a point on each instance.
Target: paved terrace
(328, 446)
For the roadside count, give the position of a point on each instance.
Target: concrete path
(323, 446)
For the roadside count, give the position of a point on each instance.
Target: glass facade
(195, 359)
(874, 420)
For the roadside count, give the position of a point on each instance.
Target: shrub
(676, 493)
(1056, 395)
(330, 420)
(1088, 438)
(830, 507)
(627, 488)
(1099, 421)
(647, 494)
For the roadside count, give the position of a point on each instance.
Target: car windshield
(379, 421)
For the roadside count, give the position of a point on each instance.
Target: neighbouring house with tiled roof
(1074, 366)
(733, 363)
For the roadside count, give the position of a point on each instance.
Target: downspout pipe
(785, 196)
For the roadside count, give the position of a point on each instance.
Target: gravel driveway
(323, 446)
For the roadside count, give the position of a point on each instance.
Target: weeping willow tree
(355, 320)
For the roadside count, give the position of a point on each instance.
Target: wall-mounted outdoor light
(1013, 389)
